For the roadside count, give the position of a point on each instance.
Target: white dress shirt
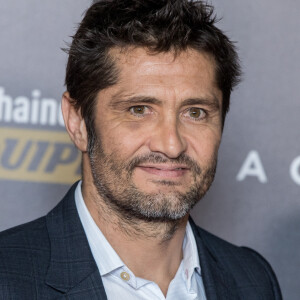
(119, 281)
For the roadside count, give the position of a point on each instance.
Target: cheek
(123, 139)
(204, 146)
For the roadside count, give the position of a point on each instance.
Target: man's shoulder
(23, 247)
(218, 245)
(246, 266)
(26, 248)
(227, 251)
(24, 259)
(24, 233)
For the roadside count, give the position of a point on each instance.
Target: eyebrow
(116, 101)
(211, 101)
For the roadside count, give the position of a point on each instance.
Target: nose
(167, 138)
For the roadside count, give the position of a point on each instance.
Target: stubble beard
(113, 180)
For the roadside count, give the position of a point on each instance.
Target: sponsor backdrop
(254, 200)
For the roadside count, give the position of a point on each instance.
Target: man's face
(158, 132)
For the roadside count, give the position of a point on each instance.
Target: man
(148, 87)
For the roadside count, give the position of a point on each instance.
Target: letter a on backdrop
(252, 167)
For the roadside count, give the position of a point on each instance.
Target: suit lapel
(72, 268)
(73, 271)
(218, 283)
(89, 289)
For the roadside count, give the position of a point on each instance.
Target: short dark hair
(158, 25)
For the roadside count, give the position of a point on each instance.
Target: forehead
(164, 75)
(141, 62)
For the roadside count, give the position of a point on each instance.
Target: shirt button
(125, 276)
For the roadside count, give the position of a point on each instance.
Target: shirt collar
(105, 256)
(108, 260)
(190, 261)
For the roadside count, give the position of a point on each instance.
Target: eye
(139, 110)
(195, 113)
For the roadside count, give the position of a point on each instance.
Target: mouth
(166, 171)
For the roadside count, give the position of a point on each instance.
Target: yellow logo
(38, 155)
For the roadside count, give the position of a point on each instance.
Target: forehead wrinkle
(132, 63)
(132, 57)
(134, 60)
(170, 92)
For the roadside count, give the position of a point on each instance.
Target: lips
(169, 171)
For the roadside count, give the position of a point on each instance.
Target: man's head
(150, 81)
(157, 25)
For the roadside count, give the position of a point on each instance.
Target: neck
(150, 249)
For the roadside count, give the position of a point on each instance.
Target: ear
(74, 123)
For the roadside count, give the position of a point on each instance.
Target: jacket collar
(72, 265)
(73, 269)
(218, 283)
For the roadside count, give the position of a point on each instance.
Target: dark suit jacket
(50, 258)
